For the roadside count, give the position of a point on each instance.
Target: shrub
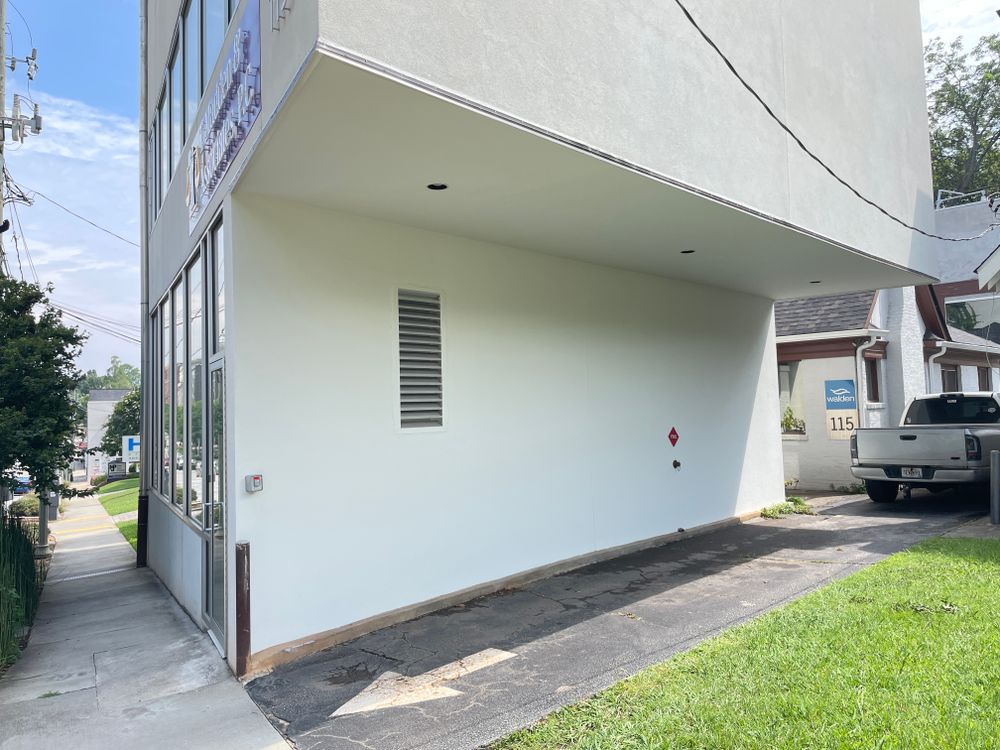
(133, 469)
(20, 583)
(99, 480)
(26, 506)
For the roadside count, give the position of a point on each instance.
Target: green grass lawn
(904, 655)
(121, 484)
(129, 530)
(120, 502)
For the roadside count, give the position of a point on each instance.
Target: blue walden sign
(840, 394)
(233, 103)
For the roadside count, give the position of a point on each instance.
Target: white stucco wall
(904, 364)
(813, 461)
(562, 381)
(634, 79)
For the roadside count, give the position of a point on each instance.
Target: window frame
(980, 370)
(178, 291)
(166, 311)
(196, 261)
(957, 370)
(873, 380)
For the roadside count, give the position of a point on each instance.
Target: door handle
(907, 437)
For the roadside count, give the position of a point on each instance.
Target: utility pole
(3, 112)
(18, 124)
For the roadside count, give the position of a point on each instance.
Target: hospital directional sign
(130, 448)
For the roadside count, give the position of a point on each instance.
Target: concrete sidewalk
(464, 676)
(112, 661)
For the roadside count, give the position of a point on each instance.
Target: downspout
(942, 349)
(859, 358)
(145, 364)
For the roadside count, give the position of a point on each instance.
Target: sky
(87, 156)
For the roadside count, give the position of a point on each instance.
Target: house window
(421, 397)
(951, 379)
(791, 422)
(985, 379)
(873, 380)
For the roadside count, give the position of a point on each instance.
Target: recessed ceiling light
(815, 282)
(686, 252)
(437, 186)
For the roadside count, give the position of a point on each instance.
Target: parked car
(23, 486)
(943, 441)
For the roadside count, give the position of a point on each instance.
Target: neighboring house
(966, 303)
(882, 347)
(444, 296)
(100, 404)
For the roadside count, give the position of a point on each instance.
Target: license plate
(910, 472)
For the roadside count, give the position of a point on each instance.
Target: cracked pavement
(579, 632)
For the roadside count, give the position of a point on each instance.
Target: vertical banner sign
(233, 103)
(841, 408)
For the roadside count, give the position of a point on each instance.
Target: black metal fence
(20, 583)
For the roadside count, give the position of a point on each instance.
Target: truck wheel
(881, 492)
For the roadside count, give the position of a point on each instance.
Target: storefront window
(166, 348)
(195, 385)
(219, 279)
(180, 321)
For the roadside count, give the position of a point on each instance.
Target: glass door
(215, 516)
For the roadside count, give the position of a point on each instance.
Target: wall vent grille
(421, 398)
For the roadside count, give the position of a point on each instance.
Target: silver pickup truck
(943, 441)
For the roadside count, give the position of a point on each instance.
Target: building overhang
(356, 137)
(957, 353)
(828, 344)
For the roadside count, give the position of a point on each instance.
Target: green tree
(963, 103)
(120, 375)
(124, 420)
(37, 377)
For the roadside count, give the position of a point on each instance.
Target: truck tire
(881, 492)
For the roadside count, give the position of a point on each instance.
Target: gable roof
(834, 312)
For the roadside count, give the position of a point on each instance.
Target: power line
(27, 252)
(31, 39)
(94, 326)
(798, 141)
(73, 213)
(96, 316)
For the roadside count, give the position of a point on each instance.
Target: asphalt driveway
(464, 676)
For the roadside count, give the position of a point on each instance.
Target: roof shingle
(834, 312)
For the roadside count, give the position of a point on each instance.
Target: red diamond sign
(673, 436)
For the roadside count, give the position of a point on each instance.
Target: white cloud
(87, 159)
(969, 19)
